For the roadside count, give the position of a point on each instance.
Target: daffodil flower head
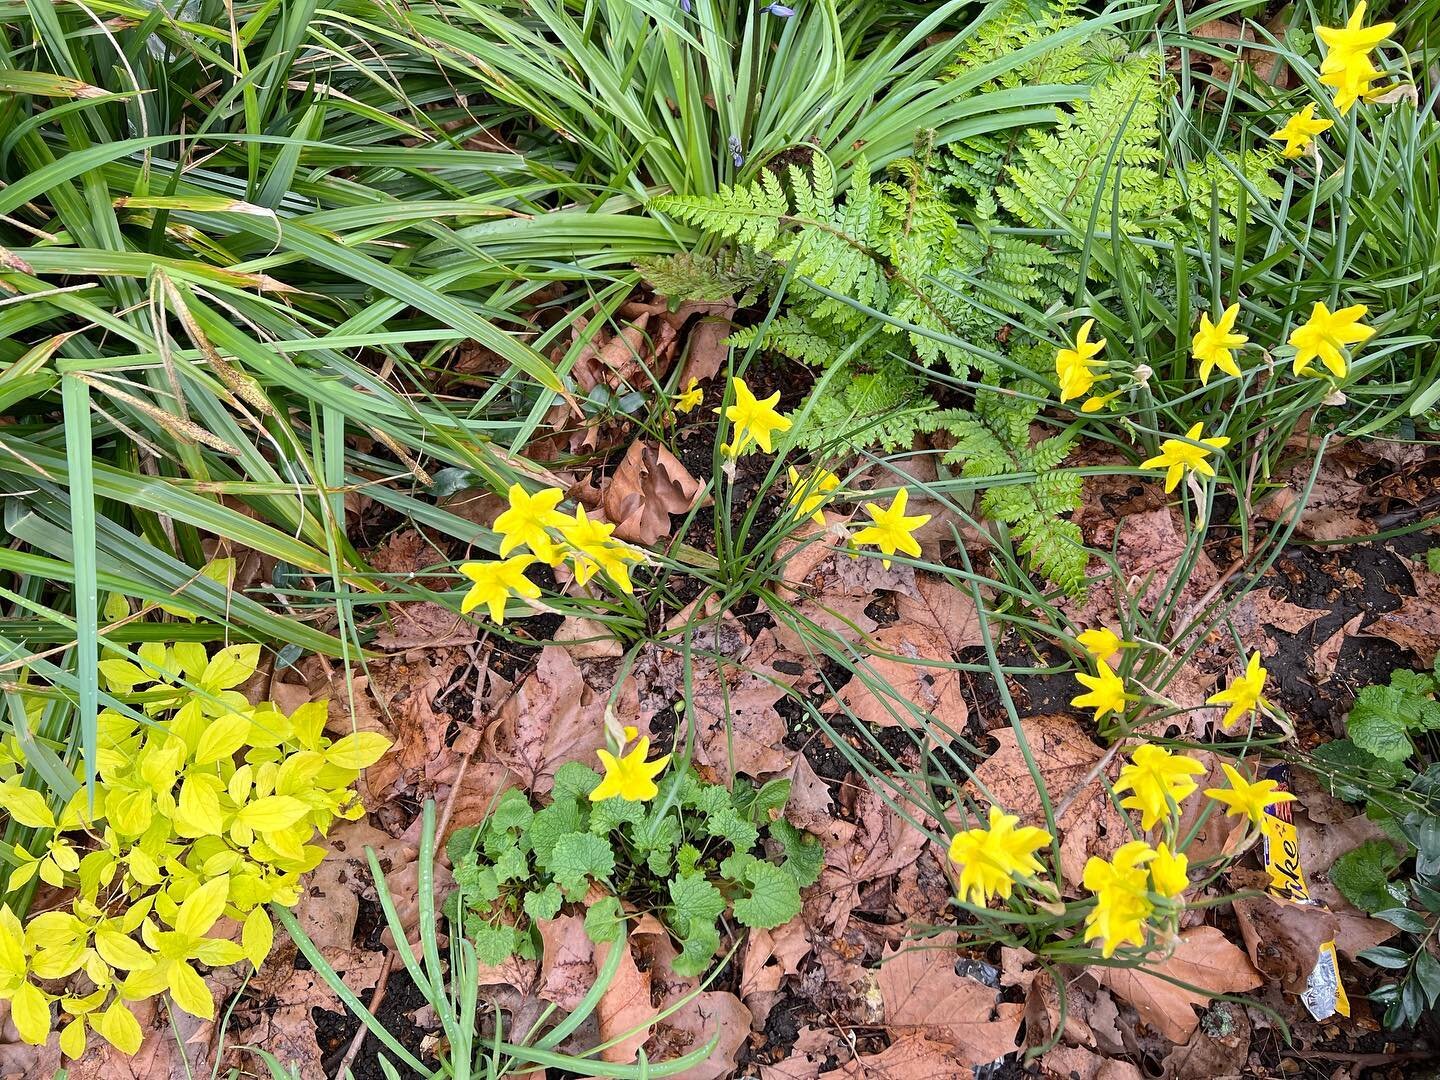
(1100, 642)
(1244, 694)
(1351, 82)
(809, 494)
(755, 420)
(1214, 344)
(1344, 43)
(1245, 799)
(525, 523)
(1074, 366)
(990, 859)
(1157, 780)
(890, 529)
(1178, 456)
(1122, 902)
(1169, 872)
(1326, 334)
(629, 776)
(1300, 130)
(494, 582)
(1106, 691)
(690, 397)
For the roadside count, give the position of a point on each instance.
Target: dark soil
(334, 1032)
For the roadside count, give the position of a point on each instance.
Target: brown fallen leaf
(1415, 624)
(695, 1024)
(909, 676)
(1149, 546)
(1204, 958)
(1321, 845)
(1065, 756)
(1283, 938)
(1223, 1050)
(567, 961)
(1328, 654)
(879, 844)
(624, 1008)
(649, 486)
(911, 1058)
(770, 955)
(807, 1056)
(923, 996)
(1077, 1063)
(554, 717)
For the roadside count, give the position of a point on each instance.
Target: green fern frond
(739, 273)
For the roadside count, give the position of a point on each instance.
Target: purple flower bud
(780, 11)
(685, 6)
(737, 152)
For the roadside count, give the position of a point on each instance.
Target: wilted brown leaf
(1207, 1056)
(912, 1058)
(1283, 938)
(1077, 1063)
(649, 486)
(1203, 958)
(554, 717)
(923, 996)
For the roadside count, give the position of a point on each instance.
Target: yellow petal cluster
(993, 858)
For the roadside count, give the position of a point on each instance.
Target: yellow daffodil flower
(1179, 455)
(1157, 779)
(1214, 344)
(494, 582)
(1244, 799)
(1101, 642)
(1300, 130)
(1344, 43)
(1325, 334)
(991, 858)
(1122, 903)
(891, 529)
(1244, 694)
(755, 420)
(690, 398)
(593, 550)
(1107, 691)
(809, 494)
(629, 776)
(1169, 873)
(1351, 81)
(525, 522)
(1074, 366)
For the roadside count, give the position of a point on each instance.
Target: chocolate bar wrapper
(1324, 994)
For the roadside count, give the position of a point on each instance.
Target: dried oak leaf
(770, 955)
(923, 996)
(879, 844)
(567, 961)
(645, 490)
(1204, 958)
(554, 717)
(932, 624)
(1065, 756)
(695, 1024)
(1148, 547)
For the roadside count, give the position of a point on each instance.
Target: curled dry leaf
(1283, 938)
(1149, 546)
(879, 844)
(924, 997)
(648, 487)
(1204, 958)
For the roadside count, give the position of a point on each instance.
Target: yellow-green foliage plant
(206, 810)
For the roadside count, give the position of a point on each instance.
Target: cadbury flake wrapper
(1324, 994)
